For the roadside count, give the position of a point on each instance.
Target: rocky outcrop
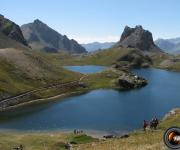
(131, 81)
(11, 30)
(137, 38)
(133, 59)
(40, 36)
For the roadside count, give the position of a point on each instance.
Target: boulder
(130, 81)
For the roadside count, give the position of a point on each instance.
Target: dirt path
(6, 101)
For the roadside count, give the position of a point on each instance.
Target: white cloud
(90, 39)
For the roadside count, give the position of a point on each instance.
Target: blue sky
(98, 20)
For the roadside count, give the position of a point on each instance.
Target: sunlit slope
(23, 70)
(106, 57)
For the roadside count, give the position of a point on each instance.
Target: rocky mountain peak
(40, 36)
(12, 30)
(38, 22)
(137, 38)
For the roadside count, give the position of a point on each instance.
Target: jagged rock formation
(137, 38)
(11, 30)
(40, 36)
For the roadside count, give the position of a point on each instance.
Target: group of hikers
(76, 131)
(153, 124)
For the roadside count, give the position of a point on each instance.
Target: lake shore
(152, 139)
(44, 100)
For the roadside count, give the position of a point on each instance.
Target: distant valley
(90, 47)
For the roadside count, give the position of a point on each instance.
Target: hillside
(41, 36)
(11, 35)
(6, 42)
(12, 30)
(24, 70)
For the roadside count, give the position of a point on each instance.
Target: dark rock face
(137, 38)
(11, 30)
(40, 36)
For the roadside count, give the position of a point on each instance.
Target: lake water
(102, 110)
(86, 69)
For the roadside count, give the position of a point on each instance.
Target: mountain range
(90, 47)
(41, 36)
(169, 45)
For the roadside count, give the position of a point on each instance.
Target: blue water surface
(103, 110)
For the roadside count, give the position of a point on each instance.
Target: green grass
(41, 141)
(104, 79)
(28, 70)
(105, 57)
(82, 139)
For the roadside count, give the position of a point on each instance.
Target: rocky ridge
(41, 36)
(11, 30)
(137, 38)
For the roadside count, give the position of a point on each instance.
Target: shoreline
(90, 132)
(43, 100)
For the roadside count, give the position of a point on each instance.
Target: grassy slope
(41, 141)
(105, 57)
(23, 70)
(104, 79)
(139, 140)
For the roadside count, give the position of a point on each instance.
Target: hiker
(75, 131)
(145, 124)
(154, 123)
(81, 131)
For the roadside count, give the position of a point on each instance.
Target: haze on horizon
(102, 21)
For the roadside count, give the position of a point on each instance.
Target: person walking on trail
(145, 124)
